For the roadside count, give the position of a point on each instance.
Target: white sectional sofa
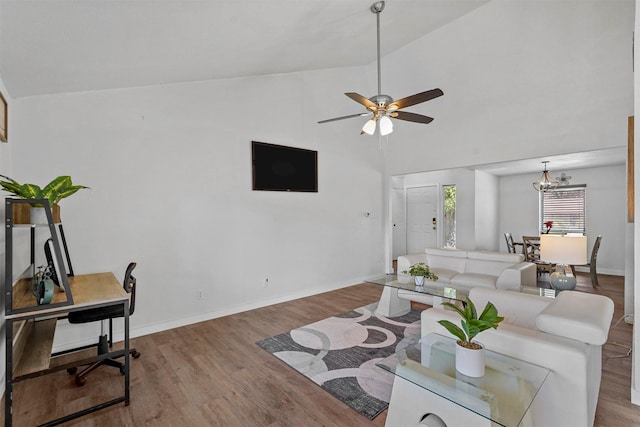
(462, 269)
(564, 335)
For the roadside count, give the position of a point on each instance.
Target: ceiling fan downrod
(376, 8)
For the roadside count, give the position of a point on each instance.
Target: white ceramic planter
(38, 215)
(470, 362)
(419, 280)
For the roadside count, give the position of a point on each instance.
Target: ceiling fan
(383, 107)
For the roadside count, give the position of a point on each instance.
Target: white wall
(606, 202)
(170, 174)
(521, 79)
(486, 211)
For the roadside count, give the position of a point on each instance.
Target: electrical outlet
(200, 295)
(266, 283)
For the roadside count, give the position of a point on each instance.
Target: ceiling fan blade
(411, 117)
(362, 100)
(344, 117)
(415, 99)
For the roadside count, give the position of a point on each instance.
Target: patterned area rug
(340, 354)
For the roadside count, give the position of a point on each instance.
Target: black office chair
(102, 314)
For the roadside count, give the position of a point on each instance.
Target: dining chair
(511, 247)
(592, 263)
(531, 251)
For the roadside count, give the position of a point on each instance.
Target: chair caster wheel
(80, 381)
(72, 371)
(122, 370)
(135, 354)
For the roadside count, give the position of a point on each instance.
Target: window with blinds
(565, 206)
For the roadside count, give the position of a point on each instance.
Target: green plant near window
(471, 324)
(421, 269)
(54, 191)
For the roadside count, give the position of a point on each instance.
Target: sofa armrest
(406, 261)
(578, 315)
(517, 275)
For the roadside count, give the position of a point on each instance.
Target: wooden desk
(29, 336)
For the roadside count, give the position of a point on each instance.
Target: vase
(470, 362)
(37, 214)
(419, 280)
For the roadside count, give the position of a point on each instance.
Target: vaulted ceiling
(78, 45)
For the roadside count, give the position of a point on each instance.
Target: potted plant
(420, 271)
(470, 354)
(56, 190)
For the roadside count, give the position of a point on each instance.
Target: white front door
(422, 203)
(399, 218)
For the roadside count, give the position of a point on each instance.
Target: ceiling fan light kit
(383, 107)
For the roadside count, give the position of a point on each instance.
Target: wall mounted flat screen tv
(281, 168)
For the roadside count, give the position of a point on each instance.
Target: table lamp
(563, 251)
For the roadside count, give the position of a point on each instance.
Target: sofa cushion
(517, 308)
(578, 315)
(448, 252)
(493, 268)
(495, 256)
(444, 275)
(450, 259)
(474, 279)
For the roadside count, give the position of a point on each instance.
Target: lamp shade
(569, 250)
(386, 127)
(370, 127)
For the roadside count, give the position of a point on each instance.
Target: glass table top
(457, 293)
(503, 395)
(429, 288)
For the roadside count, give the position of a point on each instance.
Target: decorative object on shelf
(420, 271)
(383, 107)
(54, 191)
(548, 225)
(4, 119)
(563, 251)
(563, 179)
(545, 183)
(470, 354)
(43, 286)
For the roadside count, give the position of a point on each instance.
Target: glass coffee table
(427, 382)
(391, 305)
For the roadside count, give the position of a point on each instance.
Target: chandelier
(545, 183)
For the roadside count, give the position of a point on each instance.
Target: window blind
(565, 206)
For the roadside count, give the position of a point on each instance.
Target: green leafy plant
(421, 269)
(54, 191)
(472, 325)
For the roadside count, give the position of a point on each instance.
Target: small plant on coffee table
(421, 269)
(471, 324)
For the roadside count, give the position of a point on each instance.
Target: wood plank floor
(213, 374)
